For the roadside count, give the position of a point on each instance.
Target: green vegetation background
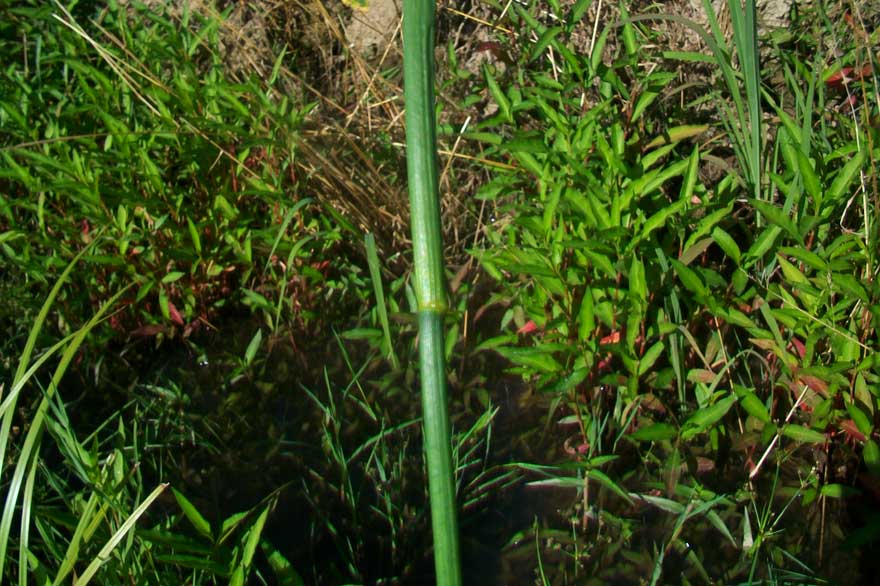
(663, 306)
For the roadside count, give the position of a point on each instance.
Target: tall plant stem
(421, 159)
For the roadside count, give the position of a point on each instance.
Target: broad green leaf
(704, 418)
(793, 276)
(664, 504)
(650, 357)
(194, 236)
(172, 277)
(839, 491)
(498, 94)
(546, 38)
(637, 283)
(726, 242)
(163, 304)
(863, 423)
(752, 405)
(659, 218)
(362, 334)
(871, 454)
(586, 317)
(284, 571)
(253, 347)
(777, 216)
(849, 285)
(193, 515)
(578, 11)
(531, 358)
(497, 341)
(605, 481)
(810, 179)
(808, 257)
(803, 434)
(677, 134)
(763, 243)
(689, 278)
(253, 539)
(706, 224)
(655, 432)
(845, 177)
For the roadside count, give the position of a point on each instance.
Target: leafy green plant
(662, 313)
(189, 170)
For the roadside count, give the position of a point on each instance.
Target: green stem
(418, 71)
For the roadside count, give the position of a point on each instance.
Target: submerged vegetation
(661, 319)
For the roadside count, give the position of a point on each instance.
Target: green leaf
(752, 405)
(777, 216)
(849, 285)
(650, 357)
(808, 257)
(163, 304)
(845, 177)
(172, 277)
(863, 423)
(605, 481)
(839, 491)
(531, 358)
(194, 236)
(871, 454)
(252, 348)
(578, 11)
(637, 283)
(586, 317)
(253, 539)
(498, 94)
(792, 274)
(763, 243)
(689, 279)
(284, 571)
(544, 41)
(726, 242)
(664, 504)
(676, 134)
(362, 334)
(803, 434)
(705, 418)
(655, 432)
(195, 517)
(811, 180)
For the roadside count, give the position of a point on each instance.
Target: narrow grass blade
(120, 534)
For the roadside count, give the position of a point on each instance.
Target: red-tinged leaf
(849, 427)
(701, 375)
(799, 347)
(815, 384)
(529, 327)
(764, 344)
(149, 331)
(174, 314)
(838, 78)
(847, 75)
(613, 338)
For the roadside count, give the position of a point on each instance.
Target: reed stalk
(421, 153)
